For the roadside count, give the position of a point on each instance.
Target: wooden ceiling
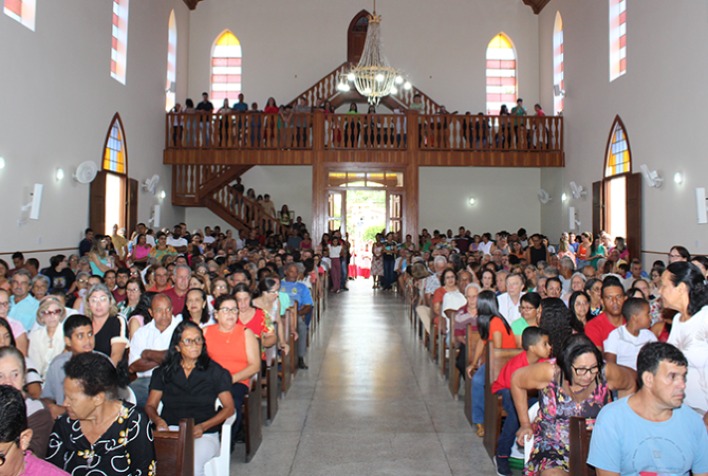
(536, 5)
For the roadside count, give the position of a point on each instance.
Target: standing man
(298, 293)
(205, 109)
(518, 111)
(149, 345)
(86, 244)
(651, 432)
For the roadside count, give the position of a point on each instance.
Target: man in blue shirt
(652, 433)
(23, 306)
(300, 293)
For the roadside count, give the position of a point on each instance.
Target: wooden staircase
(210, 186)
(326, 89)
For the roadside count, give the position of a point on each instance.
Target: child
(78, 337)
(623, 344)
(534, 341)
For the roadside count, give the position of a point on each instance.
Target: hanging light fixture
(373, 76)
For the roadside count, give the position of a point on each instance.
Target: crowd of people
(593, 327)
(176, 320)
(285, 126)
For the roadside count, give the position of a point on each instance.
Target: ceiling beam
(536, 5)
(192, 4)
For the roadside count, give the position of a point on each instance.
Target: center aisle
(371, 403)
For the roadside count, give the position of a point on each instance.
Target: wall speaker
(36, 201)
(701, 212)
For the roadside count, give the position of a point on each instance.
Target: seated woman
(188, 383)
(13, 372)
(109, 328)
(235, 348)
(14, 432)
(268, 300)
(196, 308)
(15, 328)
(493, 328)
(253, 318)
(578, 383)
(47, 339)
(99, 435)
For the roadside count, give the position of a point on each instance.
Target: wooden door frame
(320, 172)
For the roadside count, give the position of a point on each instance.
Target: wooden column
(319, 180)
(410, 179)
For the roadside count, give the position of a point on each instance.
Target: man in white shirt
(176, 241)
(141, 229)
(509, 301)
(149, 345)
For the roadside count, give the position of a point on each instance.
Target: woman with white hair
(47, 339)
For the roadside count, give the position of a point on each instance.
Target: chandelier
(373, 76)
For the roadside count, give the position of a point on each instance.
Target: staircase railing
(242, 212)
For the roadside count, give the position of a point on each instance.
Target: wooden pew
(579, 447)
(252, 420)
(285, 361)
(425, 315)
(174, 450)
(292, 358)
(493, 412)
(442, 345)
(473, 340)
(271, 383)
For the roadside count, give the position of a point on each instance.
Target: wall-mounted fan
(86, 172)
(578, 191)
(543, 196)
(150, 185)
(652, 177)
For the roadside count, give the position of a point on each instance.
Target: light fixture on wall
(701, 209)
(678, 178)
(161, 195)
(59, 174)
(2, 163)
(472, 201)
(373, 76)
(31, 210)
(564, 197)
(652, 177)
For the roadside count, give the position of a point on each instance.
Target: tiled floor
(371, 403)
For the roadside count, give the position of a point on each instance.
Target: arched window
(618, 38)
(558, 76)
(356, 36)
(501, 73)
(225, 67)
(119, 44)
(171, 88)
(21, 10)
(114, 152)
(618, 159)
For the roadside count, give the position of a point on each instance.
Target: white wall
(660, 100)
(58, 100)
(506, 199)
(291, 185)
(441, 46)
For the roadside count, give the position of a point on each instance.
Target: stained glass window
(119, 41)
(558, 67)
(171, 88)
(226, 67)
(501, 73)
(619, 160)
(21, 10)
(618, 38)
(114, 154)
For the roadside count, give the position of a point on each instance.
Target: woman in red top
(492, 328)
(253, 318)
(271, 119)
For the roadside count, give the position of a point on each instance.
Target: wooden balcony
(248, 139)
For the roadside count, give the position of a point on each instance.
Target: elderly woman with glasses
(47, 339)
(109, 328)
(188, 383)
(577, 383)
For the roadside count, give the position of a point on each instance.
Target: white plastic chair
(221, 465)
(528, 442)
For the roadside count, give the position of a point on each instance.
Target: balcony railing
(449, 132)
